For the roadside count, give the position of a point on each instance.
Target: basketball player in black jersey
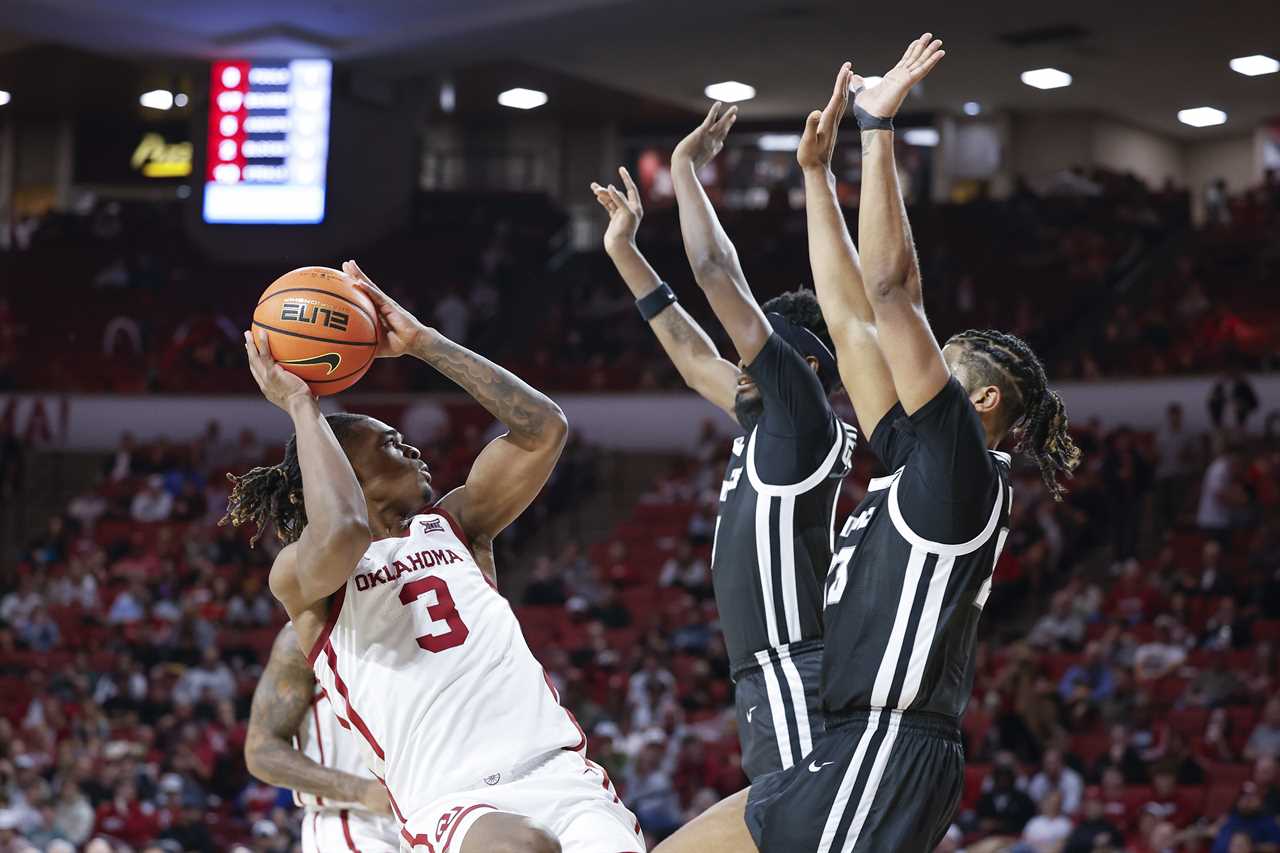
(914, 562)
(774, 529)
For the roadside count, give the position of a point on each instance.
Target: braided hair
(1033, 412)
(273, 493)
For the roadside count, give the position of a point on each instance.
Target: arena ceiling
(1141, 61)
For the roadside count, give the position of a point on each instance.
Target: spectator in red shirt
(1167, 803)
(124, 817)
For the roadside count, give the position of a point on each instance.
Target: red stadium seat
(974, 776)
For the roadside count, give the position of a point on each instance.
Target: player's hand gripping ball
(320, 327)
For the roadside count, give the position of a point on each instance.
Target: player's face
(748, 405)
(391, 469)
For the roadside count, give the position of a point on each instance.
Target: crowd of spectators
(157, 316)
(1138, 702)
(132, 634)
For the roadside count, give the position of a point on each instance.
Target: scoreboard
(268, 142)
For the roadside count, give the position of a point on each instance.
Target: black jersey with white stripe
(914, 564)
(775, 527)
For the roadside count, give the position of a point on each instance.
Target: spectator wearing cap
(1055, 775)
(1248, 818)
(1095, 830)
(1264, 740)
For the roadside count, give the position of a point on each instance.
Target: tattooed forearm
(525, 411)
(281, 701)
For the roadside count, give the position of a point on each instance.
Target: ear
(986, 398)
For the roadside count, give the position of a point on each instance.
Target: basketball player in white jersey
(295, 741)
(423, 660)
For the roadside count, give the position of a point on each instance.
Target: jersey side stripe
(843, 794)
(925, 632)
(911, 637)
(792, 676)
(790, 600)
(332, 657)
(763, 555)
(873, 783)
(776, 709)
(889, 663)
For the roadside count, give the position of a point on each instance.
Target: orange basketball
(320, 327)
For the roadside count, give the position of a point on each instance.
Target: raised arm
(511, 470)
(687, 345)
(337, 531)
(891, 273)
(711, 255)
(837, 276)
(281, 700)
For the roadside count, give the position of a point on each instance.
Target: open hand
(278, 385)
(819, 140)
(885, 98)
(400, 330)
(625, 212)
(706, 140)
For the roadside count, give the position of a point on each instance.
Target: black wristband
(656, 301)
(866, 121)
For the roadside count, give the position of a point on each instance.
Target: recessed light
(1202, 116)
(180, 100)
(448, 97)
(157, 99)
(5, 97)
(1253, 66)
(522, 99)
(1046, 78)
(926, 137)
(972, 108)
(778, 141)
(730, 91)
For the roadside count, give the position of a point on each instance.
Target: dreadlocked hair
(1033, 412)
(272, 494)
(801, 307)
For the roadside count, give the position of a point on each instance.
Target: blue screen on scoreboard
(268, 142)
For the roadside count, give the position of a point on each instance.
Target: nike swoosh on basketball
(750, 710)
(814, 766)
(331, 359)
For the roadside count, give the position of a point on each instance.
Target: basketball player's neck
(389, 519)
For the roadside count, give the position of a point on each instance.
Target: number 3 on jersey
(446, 629)
(838, 575)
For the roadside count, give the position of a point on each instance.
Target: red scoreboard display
(268, 142)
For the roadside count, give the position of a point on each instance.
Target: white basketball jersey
(321, 738)
(426, 665)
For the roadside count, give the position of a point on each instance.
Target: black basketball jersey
(914, 564)
(775, 528)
